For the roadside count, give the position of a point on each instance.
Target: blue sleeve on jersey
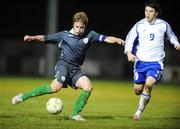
(53, 38)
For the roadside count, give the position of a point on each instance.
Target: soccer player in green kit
(74, 45)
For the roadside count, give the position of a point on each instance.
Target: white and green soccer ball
(54, 105)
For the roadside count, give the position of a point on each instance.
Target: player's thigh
(153, 76)
(84, 83)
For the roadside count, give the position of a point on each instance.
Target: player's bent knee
(87, 88)
(148, 87)
(56, 86)
(137, 91)
(57, 89)
(148, 84)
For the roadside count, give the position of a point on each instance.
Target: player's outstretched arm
(38, 38)
(111, 39)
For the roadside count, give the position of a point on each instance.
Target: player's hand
(27, 38)
(177, 47)
(131, 57)
(120, 42)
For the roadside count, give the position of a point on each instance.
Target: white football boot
(137, 115)
(17, 99)
(77, 118)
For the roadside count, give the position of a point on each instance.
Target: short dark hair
(154, 4)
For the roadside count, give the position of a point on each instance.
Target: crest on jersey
(85, 40)
(63, 78)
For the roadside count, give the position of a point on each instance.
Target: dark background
(109, 17)
(105, 17)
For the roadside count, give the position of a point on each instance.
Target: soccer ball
(54, 105)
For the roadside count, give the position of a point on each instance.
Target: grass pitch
(111, 106)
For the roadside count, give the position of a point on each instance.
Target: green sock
(44, 89)
(80, 103)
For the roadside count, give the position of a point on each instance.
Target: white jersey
(150, 39)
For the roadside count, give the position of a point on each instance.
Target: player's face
(150, 13)
(78, 28)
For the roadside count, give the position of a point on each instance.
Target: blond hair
(80, 17)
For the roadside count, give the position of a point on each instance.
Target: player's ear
(157, 13)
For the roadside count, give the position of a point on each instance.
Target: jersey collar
(71, 31)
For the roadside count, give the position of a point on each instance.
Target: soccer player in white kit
(144, 46)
